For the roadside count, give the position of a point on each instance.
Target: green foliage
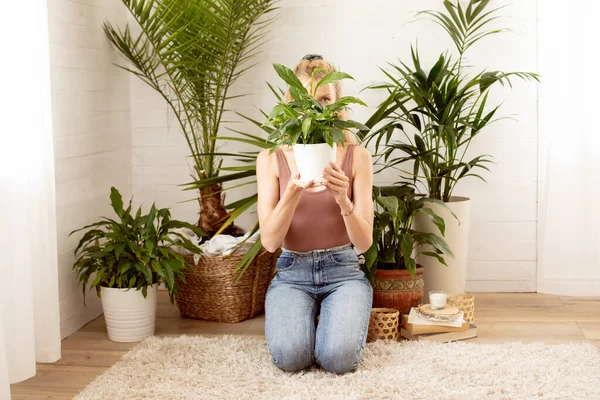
(305, 120)
(394, 239)
(191, 52)
(133, 251)
(440, 112)
(246, 172)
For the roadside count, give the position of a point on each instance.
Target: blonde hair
(304, 69)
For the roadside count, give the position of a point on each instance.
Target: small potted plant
(130, 256)
(390, 261)
(311, 128)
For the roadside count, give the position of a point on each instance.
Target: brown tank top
(317, 222)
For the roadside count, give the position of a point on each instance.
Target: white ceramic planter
(437, 276)
(129, 316)
(311, 159)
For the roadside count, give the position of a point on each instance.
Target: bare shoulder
(362, 155)
(266, 161)
(264, 155)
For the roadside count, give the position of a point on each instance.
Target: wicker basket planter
(212, 292)
(383, 324)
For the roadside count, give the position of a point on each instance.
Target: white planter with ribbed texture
(129, 316)
(437, 276)
(312, 159)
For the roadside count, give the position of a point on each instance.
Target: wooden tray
(448, 313)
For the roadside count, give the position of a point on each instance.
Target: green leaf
(181, 224)
(407, 246)
(170, 265)
(332, 77)
(442, 204)
(119, 248)
(433, 74)
(159, 268)
(435, 255)
(437, 220)
(390, 203)
(116, 201)
(306, 125)
(123, 266)
(288, 76)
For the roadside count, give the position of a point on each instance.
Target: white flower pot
(129, 316)
(312, 159)
(437, 276)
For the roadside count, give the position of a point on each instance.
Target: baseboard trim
(581, 286)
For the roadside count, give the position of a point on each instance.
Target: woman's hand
(336, 182)
(295, 183)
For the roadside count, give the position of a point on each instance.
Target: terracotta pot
(397, 289)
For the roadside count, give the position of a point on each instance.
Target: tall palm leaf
(442, 111)
(191, 52)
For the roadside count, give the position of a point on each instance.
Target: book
(415, 319)
(415, 329)
(442, 337)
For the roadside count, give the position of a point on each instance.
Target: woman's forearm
(277, 223)
(359, 230)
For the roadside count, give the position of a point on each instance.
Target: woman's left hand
(336, 182)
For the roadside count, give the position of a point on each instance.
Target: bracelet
(349, 212)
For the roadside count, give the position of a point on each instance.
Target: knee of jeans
(339, 360)
(290, 357)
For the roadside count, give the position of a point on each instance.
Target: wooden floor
(500, 317)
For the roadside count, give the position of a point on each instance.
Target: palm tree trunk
(213, 213)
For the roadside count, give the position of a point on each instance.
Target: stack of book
(417, 327)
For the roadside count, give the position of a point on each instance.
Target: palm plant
(191, 52)
(245, 173)
(442, 111)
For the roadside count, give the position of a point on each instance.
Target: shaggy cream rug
(193, 367)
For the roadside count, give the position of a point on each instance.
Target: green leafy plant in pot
(390, 262)
(311, 128)
(127, 258)
(438, 114)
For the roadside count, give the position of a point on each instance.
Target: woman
(318, 228)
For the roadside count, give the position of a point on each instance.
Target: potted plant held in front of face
(130, 256)
(311, 128)
(390, 261)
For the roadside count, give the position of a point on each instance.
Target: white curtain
(569, 137)
(29, 316)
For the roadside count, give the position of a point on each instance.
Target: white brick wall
(358, 38)
(111, 129)
(92, 134)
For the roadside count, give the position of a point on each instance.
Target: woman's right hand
(297, 185)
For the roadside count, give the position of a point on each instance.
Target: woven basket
(212, 292)
(465, 303)
(383, 324)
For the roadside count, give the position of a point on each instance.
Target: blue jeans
(327, 283)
